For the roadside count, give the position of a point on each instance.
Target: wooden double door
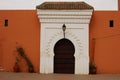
(64, 61)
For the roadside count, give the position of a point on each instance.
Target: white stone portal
(77, 31)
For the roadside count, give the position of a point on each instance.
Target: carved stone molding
(52, 34)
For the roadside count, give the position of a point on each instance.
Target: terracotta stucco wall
(23, 28)
(107, 41)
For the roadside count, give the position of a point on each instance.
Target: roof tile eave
(64, 6)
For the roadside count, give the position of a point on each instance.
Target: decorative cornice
(65, 16)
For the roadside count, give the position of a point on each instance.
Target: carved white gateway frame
(77, 24)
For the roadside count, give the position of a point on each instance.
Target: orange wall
(107, 43)
(23, 28)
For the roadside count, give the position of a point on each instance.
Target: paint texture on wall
(24, 28)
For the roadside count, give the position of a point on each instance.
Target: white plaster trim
(65, 16)
(64, 12)
(72, 33)
(77, 32)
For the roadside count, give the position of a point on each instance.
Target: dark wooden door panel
(64, 61)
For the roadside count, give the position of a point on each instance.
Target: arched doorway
(64, 61)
